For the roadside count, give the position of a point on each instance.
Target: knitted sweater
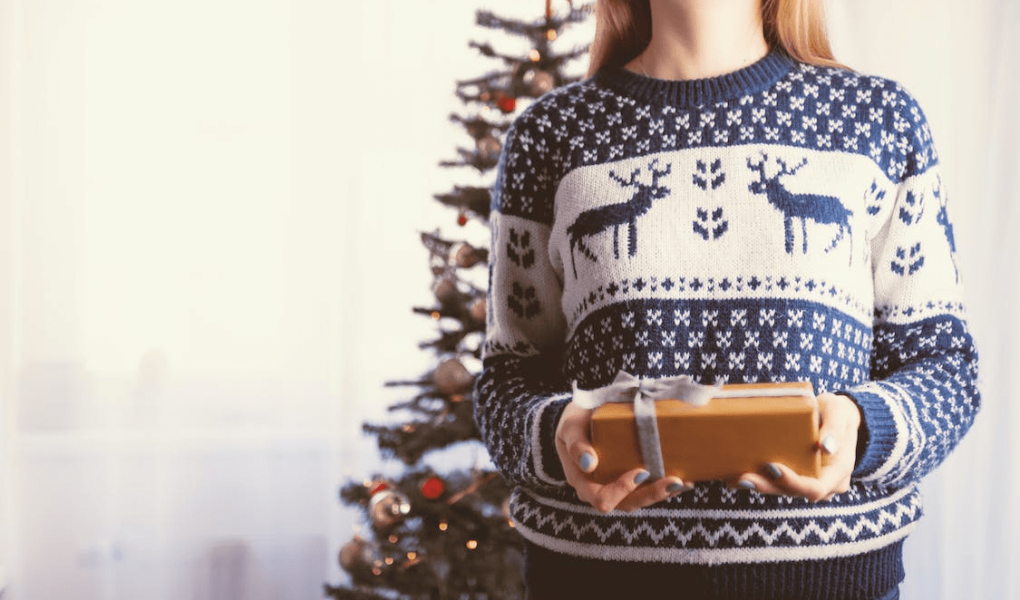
(784, 222)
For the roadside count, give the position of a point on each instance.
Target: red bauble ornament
(462, 219)
(433, 488)
(506, 104)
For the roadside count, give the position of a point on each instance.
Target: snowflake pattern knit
(782, 222)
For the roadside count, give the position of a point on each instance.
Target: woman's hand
(840, 422)
(573, 445)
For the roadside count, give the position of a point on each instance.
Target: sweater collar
(698, 92)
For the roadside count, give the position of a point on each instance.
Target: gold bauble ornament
(464, 255)
(452, 377)
(358, 555)
(446, 292)
(477, 310)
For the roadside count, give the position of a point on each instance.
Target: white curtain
(208, 255)
(171, 264)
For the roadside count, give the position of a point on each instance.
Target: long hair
(623, 29)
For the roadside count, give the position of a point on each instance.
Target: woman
(722, 199)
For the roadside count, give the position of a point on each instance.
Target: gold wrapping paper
(721, 440)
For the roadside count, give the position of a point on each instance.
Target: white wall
(6, 262)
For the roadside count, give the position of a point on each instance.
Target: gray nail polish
(641, 477)
(773, 471)
(586, 461)
(746, 485)
(677, 488)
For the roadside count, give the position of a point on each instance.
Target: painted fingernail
(586, 461)
(746, 485)
(773, 471)
(829, 444)
(676, 487)
(641, 477)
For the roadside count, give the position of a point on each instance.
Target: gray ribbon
(643, 393)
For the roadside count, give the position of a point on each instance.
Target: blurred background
(209, 217)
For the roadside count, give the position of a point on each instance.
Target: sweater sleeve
(923, 395)
(521, 392)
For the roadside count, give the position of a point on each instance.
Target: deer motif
(824, 210)
(597, 220)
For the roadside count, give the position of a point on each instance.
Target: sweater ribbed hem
(699, 92)
(550, 574)
(878, 427)
(550, 461)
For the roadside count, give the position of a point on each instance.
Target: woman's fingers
(630, 491)
(573, 443)
(578, 458)
(814, 489)
(653, 493)
(771, 480)
(840, 421)
(605, 498)
(789, 483)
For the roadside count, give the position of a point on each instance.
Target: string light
(389, 560)
(393, 539)
(535, 55)
(412, 555)
(443, 526)
(471, 544)
(435, 315)
(550, 35)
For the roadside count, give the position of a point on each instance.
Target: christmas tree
(448, 534)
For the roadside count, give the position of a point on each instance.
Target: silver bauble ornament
(539, 82)
(387, 508)
(489, 148)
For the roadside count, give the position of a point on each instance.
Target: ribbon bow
(643, 393)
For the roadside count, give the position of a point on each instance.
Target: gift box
(742, 427)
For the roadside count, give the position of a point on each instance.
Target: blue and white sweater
(783, 222)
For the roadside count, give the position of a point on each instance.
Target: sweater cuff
(876, 439)
(543, 441)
